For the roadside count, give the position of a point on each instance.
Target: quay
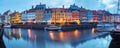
(63, 27)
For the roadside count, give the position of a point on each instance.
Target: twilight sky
(21, 5)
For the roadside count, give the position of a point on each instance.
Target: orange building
(39, 16)
(58, 15)
(15, 18)
(75, 15)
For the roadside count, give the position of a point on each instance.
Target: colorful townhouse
(39, 10)
(75, 13)
(28, 16)
(58, 16)
(89, 16)
(47, 15)
(83, 14)
(68, 14)
(7, 16)
(15, 17)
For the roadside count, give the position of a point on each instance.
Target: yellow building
(15, 18)
(39, 16)
(58, 16)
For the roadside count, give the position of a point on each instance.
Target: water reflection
(51, 35)
(93, 31)
(13, 33)
(64, 35)
(29, 38)
(31, 34)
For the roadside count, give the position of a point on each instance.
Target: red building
(75, 15)
(95, 16)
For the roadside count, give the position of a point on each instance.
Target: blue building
(74, 7)
(40, 7)
(47, 15)
(90, 16)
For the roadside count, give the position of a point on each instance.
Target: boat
(105, 26)
(7, 26)
(117, 27)
(52, 27)
(115, 34)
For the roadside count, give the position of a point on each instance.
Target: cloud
(108, 3)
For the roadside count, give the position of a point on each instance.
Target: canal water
(79, 38)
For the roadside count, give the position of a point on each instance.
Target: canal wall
(29, 26)
(82, 26)
(64, 27)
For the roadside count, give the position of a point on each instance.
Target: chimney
(74, 4)
(63, 6)
(40, 3)
(14, 10)
(32, 6)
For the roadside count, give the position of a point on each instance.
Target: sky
(21, 5)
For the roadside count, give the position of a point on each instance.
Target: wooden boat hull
(59, 28)
(7, 26)
(115, 35)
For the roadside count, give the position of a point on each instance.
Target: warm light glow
(61, 35)
(30, 34)
(61, 19)
(51, 35)
(29, 20)
(19, 31)
(78, 22)
(76, 33)
(93, 30)
(95, 18)
(35, 22)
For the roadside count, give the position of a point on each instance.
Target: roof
(6, 13)
(14, 13)
(55, 9)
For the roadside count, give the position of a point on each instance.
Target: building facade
(39, 10)
(15, 18)
(89, 16)
(95, 16)
(58, 16)
(47, 15)
(68, 15)
(7, 16)
(75, 16)
(24, 17)
(83, 14)
(100, 15)
(28, 16)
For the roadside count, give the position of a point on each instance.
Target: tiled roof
(54, 9)
(6, 13)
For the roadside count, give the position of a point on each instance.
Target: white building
(7, 16)
(28, 16)
(24, 16)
